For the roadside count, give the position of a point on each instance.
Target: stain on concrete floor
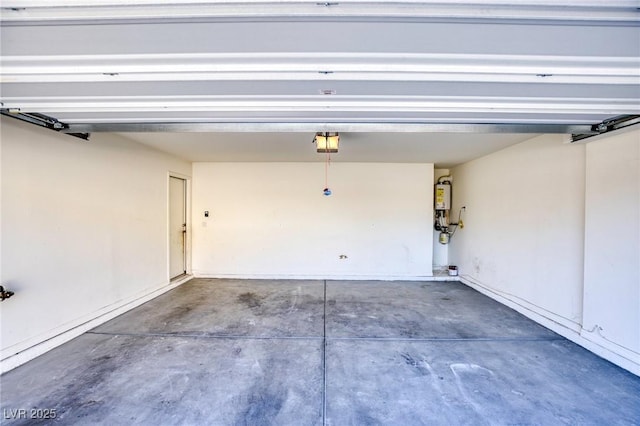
(234, 352)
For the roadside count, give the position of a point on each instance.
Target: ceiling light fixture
(327, 142)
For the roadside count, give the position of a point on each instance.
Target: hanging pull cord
(326, 170)
(327, 162)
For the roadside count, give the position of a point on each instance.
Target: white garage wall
(84, 230)
(612, 246)
(271, 220)
(524, 225)
(524, 237)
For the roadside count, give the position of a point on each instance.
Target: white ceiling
(260, 77)
(443, 149)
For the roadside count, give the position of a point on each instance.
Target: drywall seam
(81, 326)
(566, 329)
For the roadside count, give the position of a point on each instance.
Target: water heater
(443, 196)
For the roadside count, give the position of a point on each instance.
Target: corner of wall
(525, 232)
(65, 199)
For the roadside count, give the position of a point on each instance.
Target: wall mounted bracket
(42, 121)
(609, 125)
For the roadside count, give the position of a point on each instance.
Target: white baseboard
(322, 277)
(570, 331)
(556, 324)
(72, 330)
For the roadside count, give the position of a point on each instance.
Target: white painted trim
(507, 299)
(187, 243)
(155, 3)
(327, 277)
(72, 330)
(87, 11)
(336, 104)
(569, 330)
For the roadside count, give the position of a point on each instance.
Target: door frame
(187, 236)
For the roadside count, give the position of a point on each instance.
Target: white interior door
(177, 226)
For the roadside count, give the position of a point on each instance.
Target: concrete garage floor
(236, 352)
